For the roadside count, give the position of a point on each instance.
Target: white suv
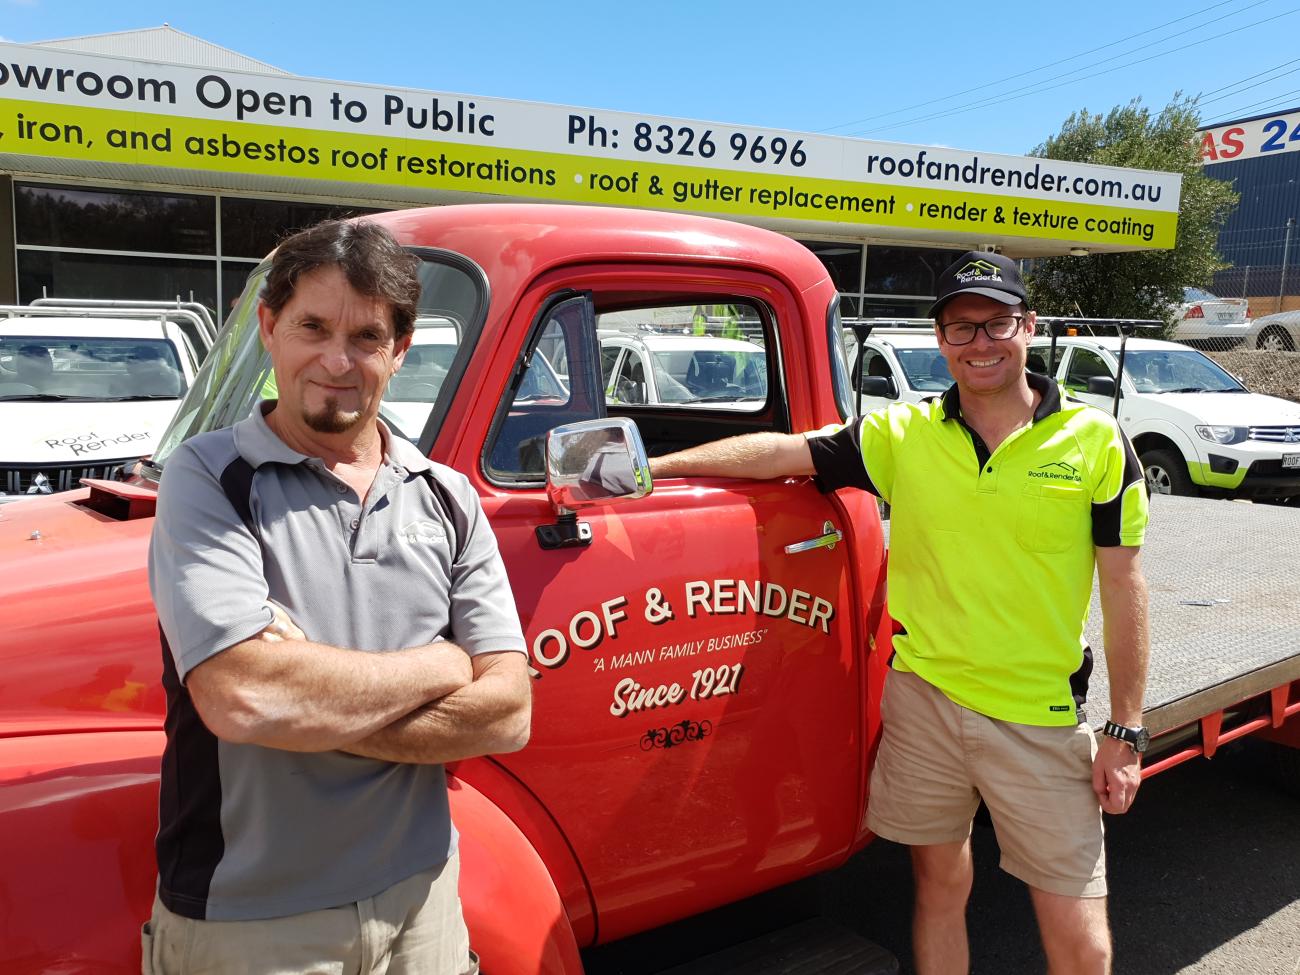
(1196, 429)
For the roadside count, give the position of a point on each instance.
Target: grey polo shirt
(251, 832)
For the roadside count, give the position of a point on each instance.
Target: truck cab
(708, 658)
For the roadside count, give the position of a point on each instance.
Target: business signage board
(1268, 135)
(116, 111)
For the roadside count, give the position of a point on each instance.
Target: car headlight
(1217, 434)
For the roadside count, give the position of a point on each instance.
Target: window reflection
(906, 270)
(62, 216)
(843, 261)
(252, 228)
(70, 275)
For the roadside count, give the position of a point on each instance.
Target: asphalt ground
(1204, 876)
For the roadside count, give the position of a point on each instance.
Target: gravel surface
(1272, 373)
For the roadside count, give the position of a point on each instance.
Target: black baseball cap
(980, 273)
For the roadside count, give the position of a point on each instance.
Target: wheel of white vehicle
(1275, 339)
(1166, 473)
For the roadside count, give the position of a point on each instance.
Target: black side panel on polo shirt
(237, 483)
(449, 511)
(190, 843)
(838, 460)
(1079, 679)
(1107, 518)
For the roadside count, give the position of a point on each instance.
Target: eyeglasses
(999, 329)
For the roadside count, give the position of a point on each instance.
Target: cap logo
(979, 271)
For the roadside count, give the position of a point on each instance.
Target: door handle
(829, 537)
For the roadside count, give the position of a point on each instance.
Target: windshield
(237, 373)
(710, 375)
(88, 369)
(1177, 371)
(926, 370)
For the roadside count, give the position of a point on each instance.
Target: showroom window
(109, 243)
(881, 281)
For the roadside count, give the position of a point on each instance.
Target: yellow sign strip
(134, 138)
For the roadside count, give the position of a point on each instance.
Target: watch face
(1143, 739)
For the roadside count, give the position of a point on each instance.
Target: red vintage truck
(708, 657)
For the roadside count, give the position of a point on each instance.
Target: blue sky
(888, 71)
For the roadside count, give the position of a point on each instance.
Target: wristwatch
(1137, 738)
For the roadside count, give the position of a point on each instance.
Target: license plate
(1290, 460)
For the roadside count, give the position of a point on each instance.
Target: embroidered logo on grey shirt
(423, 533)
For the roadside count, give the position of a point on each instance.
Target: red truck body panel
(611, 821)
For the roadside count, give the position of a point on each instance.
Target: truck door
(697, 730)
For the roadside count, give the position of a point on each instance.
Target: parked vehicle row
(1196, 428)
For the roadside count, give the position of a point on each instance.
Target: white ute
(86, 389)
(1197, 430)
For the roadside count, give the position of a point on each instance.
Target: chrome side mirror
(595, 462)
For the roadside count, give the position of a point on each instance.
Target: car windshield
(926, 369)
(1177, 371)
(237, 373)
(1198, 294)
(88, 369)
(711, 375)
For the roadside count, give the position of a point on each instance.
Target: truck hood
(1234, 409)
(88, 433)
(79, 649)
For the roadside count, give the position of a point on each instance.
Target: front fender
(78, 813)
(516, 920)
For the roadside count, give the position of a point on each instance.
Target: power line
(1201, 102)
(1267, 101)
(1018, 94)
(1059, 62)
(1215, 91)
(1033, 90)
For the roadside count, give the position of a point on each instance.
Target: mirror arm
(566, 532)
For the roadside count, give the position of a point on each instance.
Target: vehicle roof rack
(1055, 326)
(1066, 325)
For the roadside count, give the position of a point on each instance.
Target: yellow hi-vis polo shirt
(991, 554)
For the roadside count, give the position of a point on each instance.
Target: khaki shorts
(937, 760)
(412, 928)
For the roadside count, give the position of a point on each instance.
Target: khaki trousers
(414, 927)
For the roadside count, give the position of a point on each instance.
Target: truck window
(237, 371)
(874, 363)
(704, 355)
(608, 359)
(1084, 364)
(89, 368)
(540, 398)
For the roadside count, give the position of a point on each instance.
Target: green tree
(1143, 284)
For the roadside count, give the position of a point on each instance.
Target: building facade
(153, 164)
(1260, 156)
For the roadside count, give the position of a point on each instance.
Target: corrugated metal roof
(164, 43)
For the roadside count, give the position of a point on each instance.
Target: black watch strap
(1138, 738)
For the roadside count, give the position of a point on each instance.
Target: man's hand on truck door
(1116, 775)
